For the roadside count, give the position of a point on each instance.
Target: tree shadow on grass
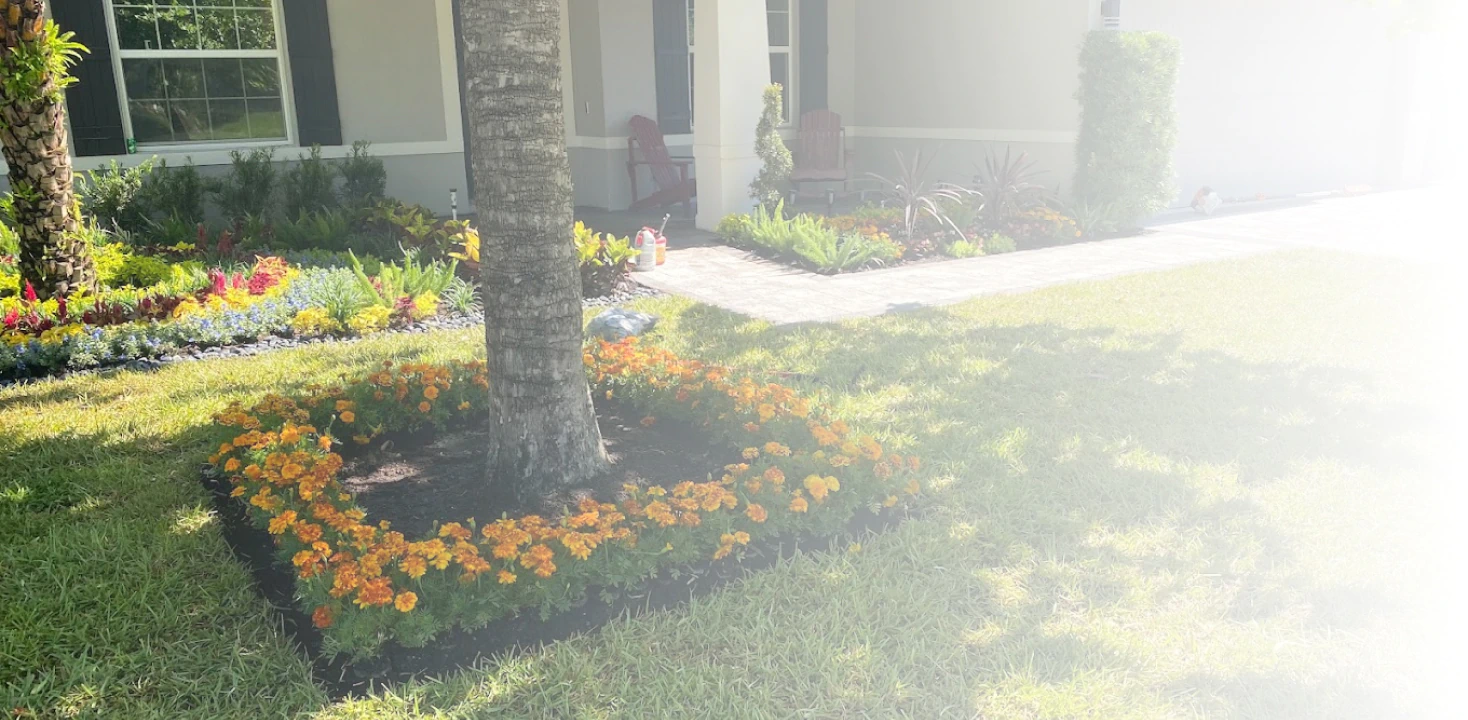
(1085, 479)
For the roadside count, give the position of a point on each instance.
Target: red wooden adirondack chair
(670, 174)
(822, 155)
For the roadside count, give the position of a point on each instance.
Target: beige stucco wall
(1282, 97)
(959, 79)
(389, 84)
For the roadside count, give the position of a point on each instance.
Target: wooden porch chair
(822, 154)
(670, 174)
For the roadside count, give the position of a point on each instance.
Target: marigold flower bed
(365, 584)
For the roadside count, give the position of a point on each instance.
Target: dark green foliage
(364, 179)
(248, 188)
(175, 192)
(310, 186)
(1128, 123)
(114, 196)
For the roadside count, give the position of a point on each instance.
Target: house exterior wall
(958, 79)
(1282, 97)
(404, 100)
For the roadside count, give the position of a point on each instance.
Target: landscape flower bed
(198, 308)
(365, 584)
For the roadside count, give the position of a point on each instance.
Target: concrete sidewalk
(746, 284)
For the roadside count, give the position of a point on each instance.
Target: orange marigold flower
(774, 475)
(290, 435)
(751, 453)
(649, 421)
(741, 537)
(839, 461)
(253, 472)
(405, 601)
(291, 471)
(344, 405)
(424, 407)
(348, 417)
(231, 464)
(766, 412)
(756, 513)
(774, 448)
(912, 487)
(464, 405)
(324, 442)
(282, 522)
(506, 577)
(798, 504)
(321, 617)
(237, 491)
(414, 565)
(430, 392)
(308, 532)
(751, 426)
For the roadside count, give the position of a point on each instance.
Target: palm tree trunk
(53, 257)
(543, 432)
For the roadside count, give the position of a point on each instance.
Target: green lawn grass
(1200, 493)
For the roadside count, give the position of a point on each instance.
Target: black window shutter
(814, 55)
(670, 62)
(313, 73)
(91, 103)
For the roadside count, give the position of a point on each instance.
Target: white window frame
(287, 96)
(788, 51)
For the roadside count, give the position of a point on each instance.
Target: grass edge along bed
(367, 584)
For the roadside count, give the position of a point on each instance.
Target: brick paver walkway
(741, 282)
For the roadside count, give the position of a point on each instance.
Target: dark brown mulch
(417, 482)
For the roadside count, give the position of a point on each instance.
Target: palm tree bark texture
(53, 256)
(543, 432)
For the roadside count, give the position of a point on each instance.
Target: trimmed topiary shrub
(768, 189)
(1128, 123)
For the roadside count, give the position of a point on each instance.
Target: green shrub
(963, 249)
(310, 186)
(998, 244)
(247, 190)
(318, 230)
(114, 197)
(768, 188)
(176, 192)
(1128, 123)
(364, 179)
(840, 252)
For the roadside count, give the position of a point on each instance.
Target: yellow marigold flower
(799, 505)
(756, 513)
(657, 490)
(741, 537)
(506, 577)
(348, 417)
(237, 491)
(464, 405)
(291, 471)
(231, 464)
(751, 453)
(774, 448)
(361, 439)
(424, 407)
(912, 487)
(832, 484)
(405, 601)
(817, 487)
(766, 412)
(890, 501)
(839, 461)
(290, 435)
(430, 392)
(414, 566)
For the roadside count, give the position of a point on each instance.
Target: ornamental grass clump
(365, 584)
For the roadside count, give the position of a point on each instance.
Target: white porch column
(731, 69)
